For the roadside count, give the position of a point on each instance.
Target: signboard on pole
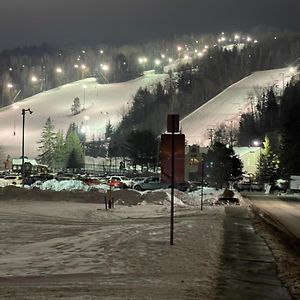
(166, 158)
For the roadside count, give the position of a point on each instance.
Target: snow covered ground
(102, 102)
(65, 249)
(230, 104)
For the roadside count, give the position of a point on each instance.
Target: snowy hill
(102, 102)
(107, 101)
(228, 105)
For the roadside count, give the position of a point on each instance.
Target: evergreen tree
(221, 165)
(47, 143)
(80, 132)
(76, 106)
(74, 151)
(142, 147)
(74, 161)
(268, 163)
(96, 149)
(59, 153)
(108, 130)
(290, 143)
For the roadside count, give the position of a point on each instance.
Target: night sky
(31, 22)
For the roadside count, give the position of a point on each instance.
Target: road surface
(284, 210)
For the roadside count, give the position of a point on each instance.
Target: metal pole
(259, 180)
(84, 98)
(172, 185)
(23, 141)
(23, 126)
(202, 182)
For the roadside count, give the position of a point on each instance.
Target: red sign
(166, 157)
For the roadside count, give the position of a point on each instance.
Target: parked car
(120, 181)
(13, 179)
(247, 186)
(255, 186)
(150, 183)
(64, 176)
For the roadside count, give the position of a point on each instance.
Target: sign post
(172, 183)
(172, 161)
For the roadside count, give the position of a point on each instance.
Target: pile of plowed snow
(78, 191)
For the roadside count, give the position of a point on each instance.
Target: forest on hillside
(201, 79)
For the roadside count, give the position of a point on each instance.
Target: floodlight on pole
(258, 143)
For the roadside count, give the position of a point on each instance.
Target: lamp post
(84, 88)
(104, 68)
(257, 143)
(59, 73)
(23, 139)
(9, 87)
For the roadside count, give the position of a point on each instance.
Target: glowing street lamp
(157, 62)
(236, 37)
(9, 87)
(58, 70)
(292, 70)
(143, 60)
(34, 79)
(105, 67)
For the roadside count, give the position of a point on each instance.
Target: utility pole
(211, 134)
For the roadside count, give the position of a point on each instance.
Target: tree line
(275, 120)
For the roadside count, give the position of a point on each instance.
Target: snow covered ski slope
(102, 102)
(227, 106)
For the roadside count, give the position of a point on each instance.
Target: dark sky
(30, 22)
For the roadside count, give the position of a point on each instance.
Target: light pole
(59, 73)
(9, 87)
(105, 69)
(23, 139)
(84, 88)
(257, 143)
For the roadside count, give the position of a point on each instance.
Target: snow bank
(63, 185)
(67, 185)
(3, 183)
